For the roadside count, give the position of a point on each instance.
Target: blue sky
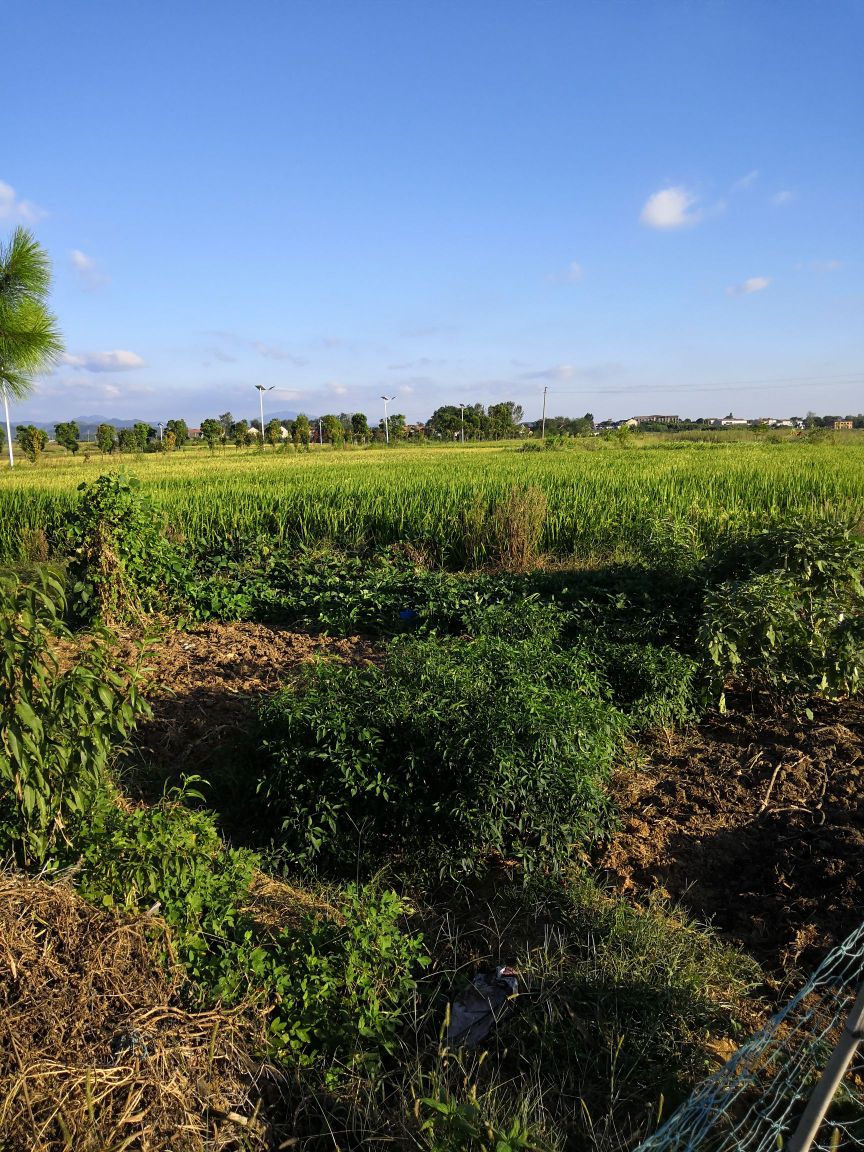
(651, 206)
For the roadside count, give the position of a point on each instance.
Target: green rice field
(601, 498)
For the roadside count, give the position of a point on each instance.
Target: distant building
(731, 421)
(843, 425)
(634, 421)
(193, 433)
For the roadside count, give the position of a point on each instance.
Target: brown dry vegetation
(98, 1052)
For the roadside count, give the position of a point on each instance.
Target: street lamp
(159, 426)
(462, 418)
(387, 400)
(8, 426)
(261, 391)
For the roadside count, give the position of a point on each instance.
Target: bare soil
(755, 823)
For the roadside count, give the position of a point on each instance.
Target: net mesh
(755, 1100)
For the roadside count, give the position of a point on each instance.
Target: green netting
(755, 1100)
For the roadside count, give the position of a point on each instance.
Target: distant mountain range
(84, 422)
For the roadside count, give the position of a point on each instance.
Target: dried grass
(96, 1052)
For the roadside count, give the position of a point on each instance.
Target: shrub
(655, 686)
(827, 554)
(788, 612)
(341, 985)
(58, 729)
(173, 856)
(457, 749)
(775, 631)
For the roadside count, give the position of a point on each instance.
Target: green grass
(602, 498)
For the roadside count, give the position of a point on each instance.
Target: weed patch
(465, 750)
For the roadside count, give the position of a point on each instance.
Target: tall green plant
(58, 728)
(462, 750)
(121, 565)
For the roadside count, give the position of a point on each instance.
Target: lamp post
(462, 419)
(387, 400)
(543, 430)
(8, 428)
(159, 426)
(261, 391)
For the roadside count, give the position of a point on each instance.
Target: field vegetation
(304, 888)
(603, 498)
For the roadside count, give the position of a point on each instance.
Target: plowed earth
(755, 823)
(203, 684)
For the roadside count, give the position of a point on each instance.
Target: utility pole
(8, 428)
(320, 433)
(387, 400)
(543, 431)
(462, 418)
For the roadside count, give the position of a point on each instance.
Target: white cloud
(671, 208)
(754, 284)
(827, 265)
(746, 181)
(87, 270)
(783, 197)
(571, 275)
(338, 389)
(16, 210)
(80, 262)
(117, 361)
(87, 391)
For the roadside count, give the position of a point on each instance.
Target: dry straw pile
(97, 1052)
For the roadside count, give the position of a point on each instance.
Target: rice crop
(601, 499)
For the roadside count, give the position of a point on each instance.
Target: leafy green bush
(58, 729)
(780, 632)
(654, 686)
(341, 985)
(786, 611)
(173, 856)
(826, 553)
(458, 749)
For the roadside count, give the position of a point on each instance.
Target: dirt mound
(96, 1051)
(755, 823)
